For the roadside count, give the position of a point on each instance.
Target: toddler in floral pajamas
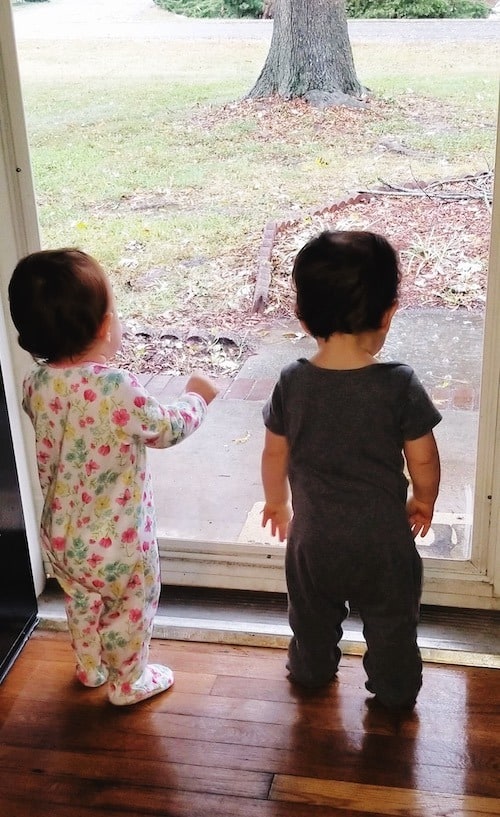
(93, 423)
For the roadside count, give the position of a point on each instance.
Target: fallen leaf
(243, 439)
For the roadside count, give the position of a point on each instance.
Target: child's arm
(274, 469)
(422, 458)
(136, 413)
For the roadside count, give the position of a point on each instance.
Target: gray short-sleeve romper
(349, 539)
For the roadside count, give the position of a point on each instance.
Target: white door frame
(472, 584)
(18, 236)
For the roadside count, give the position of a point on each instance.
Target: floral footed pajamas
(92, 425)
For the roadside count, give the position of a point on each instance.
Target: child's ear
(302, 324)
(305, 328)
(104, 331)
(388, 316)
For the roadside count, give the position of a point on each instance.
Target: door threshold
(462, 637)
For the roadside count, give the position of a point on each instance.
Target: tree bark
(310, 55)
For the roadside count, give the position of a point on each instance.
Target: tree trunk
(310, 55)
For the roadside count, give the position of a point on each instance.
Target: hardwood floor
(233, 738)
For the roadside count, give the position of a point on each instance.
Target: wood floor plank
(341, 762)
(26, 685)
(355, 798)
(167, 772)
(175, 804)
(300, 748)
(233, 729)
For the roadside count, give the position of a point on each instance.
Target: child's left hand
(419, 516)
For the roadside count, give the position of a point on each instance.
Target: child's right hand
(279, 516)
(206, 388)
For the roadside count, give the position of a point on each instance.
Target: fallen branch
(425, 194)
(428, 191)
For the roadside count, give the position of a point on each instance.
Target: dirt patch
(276, 121)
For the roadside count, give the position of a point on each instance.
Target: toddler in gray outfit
(339, 429)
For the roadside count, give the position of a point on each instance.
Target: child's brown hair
(345, 281)
(58, 300)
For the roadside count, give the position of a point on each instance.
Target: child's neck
(342, 351)
(94, 354)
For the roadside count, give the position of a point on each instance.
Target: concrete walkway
(223, 457)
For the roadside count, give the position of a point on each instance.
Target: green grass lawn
(145, 156)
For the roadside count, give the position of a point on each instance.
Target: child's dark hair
(58, 300)
(345, 281)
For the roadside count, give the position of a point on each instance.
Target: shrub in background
(213, 8)
(355, 8)
(417, 8)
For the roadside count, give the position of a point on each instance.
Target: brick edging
(167, 387)
(271, 230)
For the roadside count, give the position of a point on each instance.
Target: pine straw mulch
(442, 234)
